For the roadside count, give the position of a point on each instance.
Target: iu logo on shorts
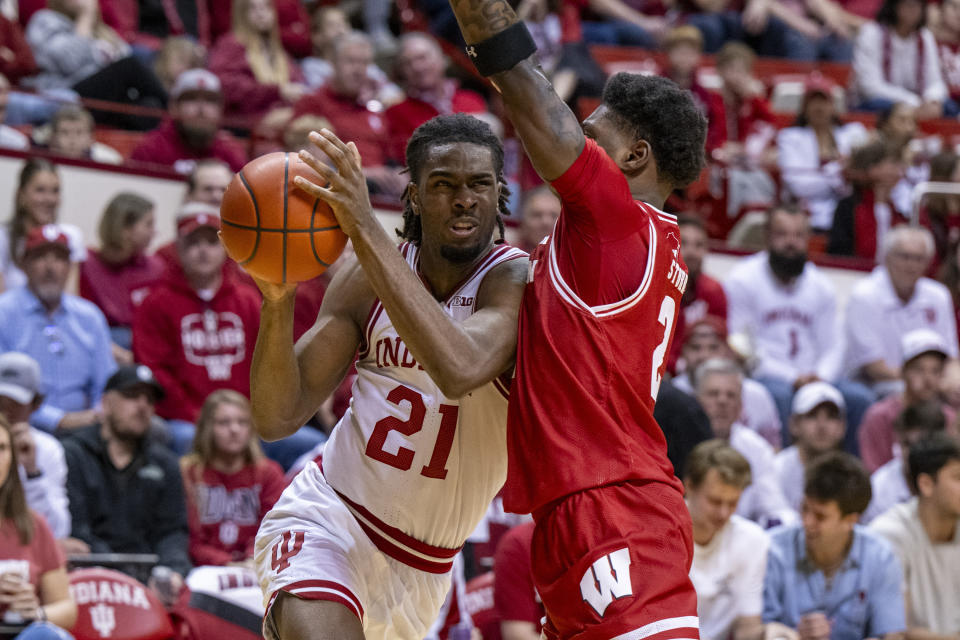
(289, 546)
(606, 580)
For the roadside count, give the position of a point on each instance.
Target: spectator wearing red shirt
(192, 132)
(146, 23)
(292, 20)
(228, 483)
(704, 296)
(684, 47)
(340, 101)
(422, 68)
(863, 218)
(119, 275)
(256, 72)
(515, 596)
(197, 328)
(33, 576)
(16, 58)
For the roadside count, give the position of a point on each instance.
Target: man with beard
(894, 300)
(789, 310)
(192, 132)
(65, 334)
(126, 493)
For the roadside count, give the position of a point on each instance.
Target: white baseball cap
(19, 377)
(810, 396)
(921, 341)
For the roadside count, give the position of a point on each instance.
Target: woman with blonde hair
(255, 71)
(229, 484)
(34, 589)
(119, 275)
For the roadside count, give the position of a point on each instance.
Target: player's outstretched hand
(347, 192)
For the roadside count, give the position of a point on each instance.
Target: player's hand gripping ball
(275, 231)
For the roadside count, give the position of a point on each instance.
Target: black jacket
(138, 509)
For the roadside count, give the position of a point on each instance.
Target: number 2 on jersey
(403, 458)
(668, 310)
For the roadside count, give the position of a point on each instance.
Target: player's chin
(462, 251)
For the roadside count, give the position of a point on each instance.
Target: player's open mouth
(463, 228)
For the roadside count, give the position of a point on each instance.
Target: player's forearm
(446, 351)
(275, 373)
(550, 132)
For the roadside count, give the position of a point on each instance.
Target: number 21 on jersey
(403, 458)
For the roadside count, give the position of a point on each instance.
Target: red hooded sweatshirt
(195, 347)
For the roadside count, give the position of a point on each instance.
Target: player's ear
(413, 197)
(638, 156)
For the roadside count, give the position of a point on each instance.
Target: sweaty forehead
(459, 157)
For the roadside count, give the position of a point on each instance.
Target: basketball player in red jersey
(612, 545)
(361, 547)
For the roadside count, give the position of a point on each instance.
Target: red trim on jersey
(392, 541)
(368, 324)
(487, 259)
(321, 590)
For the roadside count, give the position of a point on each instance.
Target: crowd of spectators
(816, 435)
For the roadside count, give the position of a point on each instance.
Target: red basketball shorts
(613, 563)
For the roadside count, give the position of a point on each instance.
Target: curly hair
(449, 129)
(657, 110)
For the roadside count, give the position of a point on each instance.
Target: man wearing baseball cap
(126, 492)
(818, 422)
(197, 328)
(43, 470)
(65, 334)
(925, 353)
(193, 131)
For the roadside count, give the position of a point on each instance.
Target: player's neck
(652, 194)
(443, 275)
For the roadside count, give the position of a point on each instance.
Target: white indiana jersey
(413, 465)
(793, 328)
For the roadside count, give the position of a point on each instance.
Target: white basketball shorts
(312, 547)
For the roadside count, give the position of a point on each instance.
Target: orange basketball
(274, 230)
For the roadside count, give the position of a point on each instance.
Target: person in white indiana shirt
(788, 308)
(892, 301)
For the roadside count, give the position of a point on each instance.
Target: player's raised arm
(289, 382)
(502, 49)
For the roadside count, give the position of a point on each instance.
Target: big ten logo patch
(290, 544)
(213, 340)
(606, 580)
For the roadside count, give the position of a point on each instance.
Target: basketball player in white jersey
(361, 546)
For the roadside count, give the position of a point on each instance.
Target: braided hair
(449, 129)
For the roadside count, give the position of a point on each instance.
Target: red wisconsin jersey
(581, 404)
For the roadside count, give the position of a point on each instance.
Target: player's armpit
(491, 331)
(289, 382)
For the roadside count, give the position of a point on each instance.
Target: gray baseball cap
(19, 377)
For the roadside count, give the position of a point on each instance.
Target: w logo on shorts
(608, 579)
(290, 544)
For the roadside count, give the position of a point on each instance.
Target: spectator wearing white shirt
(925, 535)
(811, 153)
(817, 423)
(889, 483)
(706, 339)
(729, 552)
(892, 301)
(719, 391)
(924, 362)
(895, 59)
(788, 308)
